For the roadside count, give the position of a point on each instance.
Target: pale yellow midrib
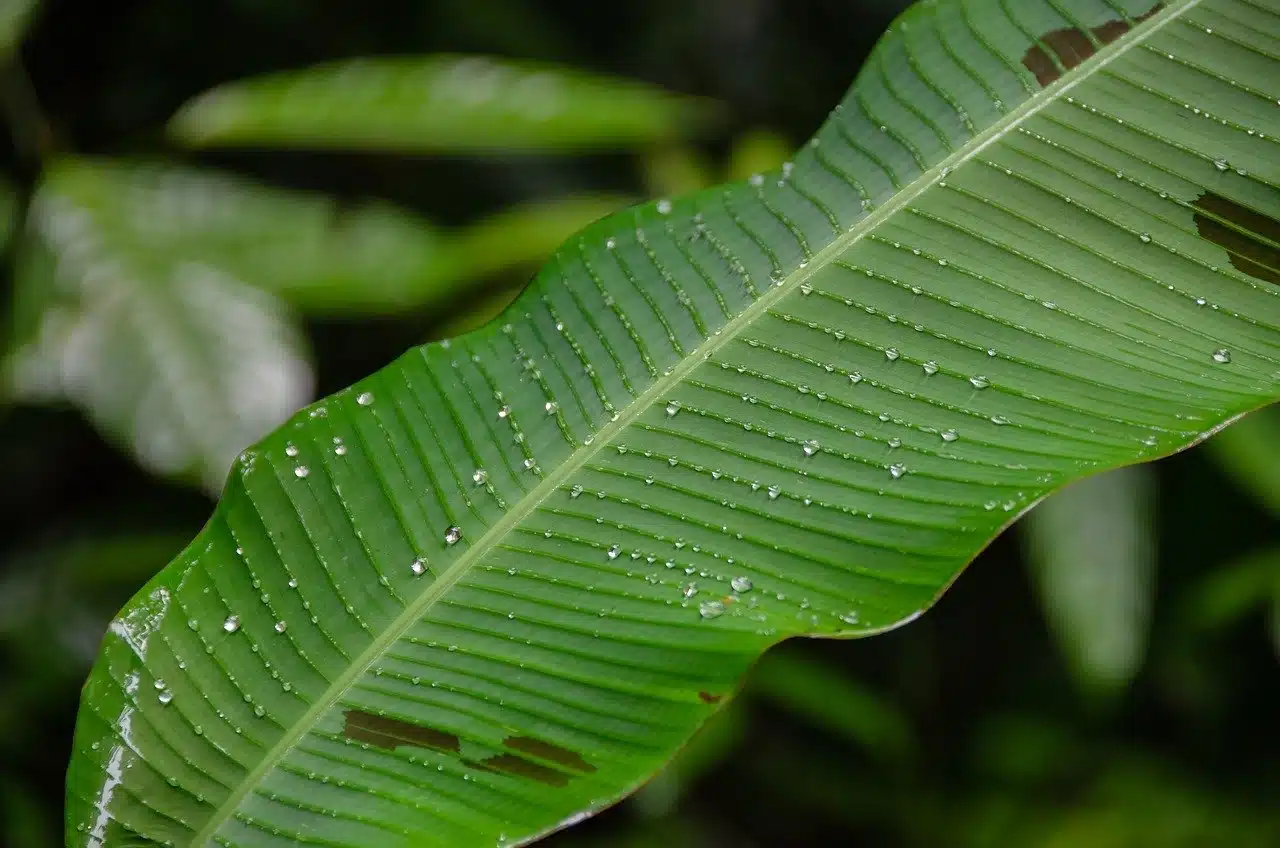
(661, 388)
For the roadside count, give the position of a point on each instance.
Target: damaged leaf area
(1251, 239)
(497, 585)
(391, 733)
(1064, 49)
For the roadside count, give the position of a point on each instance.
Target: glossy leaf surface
(497, 584)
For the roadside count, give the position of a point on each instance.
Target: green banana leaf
(492, 588)
(438, 104)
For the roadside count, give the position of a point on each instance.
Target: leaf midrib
(663, 385)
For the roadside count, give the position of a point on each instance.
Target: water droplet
(897, 470)
(290, 450)
(741, 584)
(575, 492)
(711, 609)
(999, 420)
(891, 354)
(293, 583)
(281, 626)
(949, 435)
(1200, 301)
(689, 589)
(1221, 164)
(159, 684)
(301, 471)
(611, 243)
(806, 289)
(613, 552)
(895, 442)
(1222, 356)
(1145, 238)
(811, 447)
(551, 407)
(365, 398)
(942, 262)
(979, 382)
(232, 624)
(165, 697)
(664, 207)
(453, 535)
(259, 710)
(930, 368)
(418, 567)
(503, 412)
(855, 378)
(673, 408)
(479, 476)
(773, 492)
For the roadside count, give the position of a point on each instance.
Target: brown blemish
(520, 767)
(1251, 239)
(1072, 46)
(391, 733)
(549, 752)
(708, 698)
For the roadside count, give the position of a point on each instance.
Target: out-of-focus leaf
(676, 169)
(833, 701)
(8, 212)
(1233, 590)
(450, 104)
(1091, 548)
(15, 15)
(706, 749)
(22, 819)
(183, 362)
(1023, 748)
(526, 233)
(1249, 451)
(757, 152)
(312, 251)
(1273, 623)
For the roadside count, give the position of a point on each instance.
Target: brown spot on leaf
(549, 752)
(391, 733)
(520, 767)
(708, 698)
(1251, 239)
(1072, 46)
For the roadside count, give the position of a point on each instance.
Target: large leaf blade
(735, 384)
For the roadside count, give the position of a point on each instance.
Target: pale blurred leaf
(757, 152)
(676, 169)
(181, 361)
(1092, 550)
(1249, 451)
(438, 104)
(15, 15)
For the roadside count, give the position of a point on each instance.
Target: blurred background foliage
(213, 212)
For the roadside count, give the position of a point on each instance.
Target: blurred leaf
(676, 169)
(527, 233)
(9, 210)
(1232, 590)
(1091, 548)
(435, 104)
(22, 822)
(15, 15)
(758, 152)
(713, 742)
(183, 362)
(1249, 451)
(1273, 623)
(1024, 748)
(831, 700)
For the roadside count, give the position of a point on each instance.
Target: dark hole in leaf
(547, 751)
(1072, 46)
(708, 698)
(1251, 239)
(390, 733)
(520, 767)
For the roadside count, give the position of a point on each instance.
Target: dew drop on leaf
(711, 609)
(897, 470)
(301, 471)
(930, 368)
(979, 382)
(774, 491)
(165, 697)
(232, 624)
(741, 584)
(453, 535)
(1145, 238)
(418, 567)
(281, 626)
(811, 447)
(1222, 356)
(949, 435)
(365, 398)
(673, 409)
(479, 476)
(613, 552)
(891, 354)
